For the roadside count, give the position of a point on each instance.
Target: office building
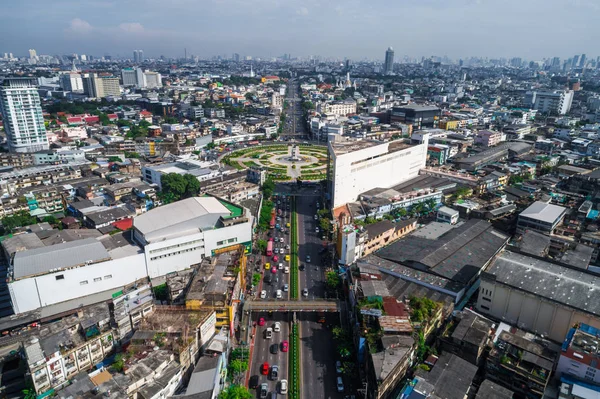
(420, 116)
(71, 81)
(338, 108)
(582, 61)
(141, 79)
(541, 217)
(388, 67)
(95, 86)
(32, 54)
(550, 102)
(138, 56)
(22, 116)
(359, 166)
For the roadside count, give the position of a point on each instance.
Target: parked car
(340, 384)
(338, 367)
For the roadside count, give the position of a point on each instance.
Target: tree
(192, 187)
(210, 146)
(262, 245)
(235, 391)
(238, 366)
(174, 184)
(170, 119)
(119, 363)
(104, 119)
(19, 219)
(268, 188)
(325, 225)
(50, 220)
(332, 280)
(256, 279)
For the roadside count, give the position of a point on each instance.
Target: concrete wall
(182, 252)
(530, 312)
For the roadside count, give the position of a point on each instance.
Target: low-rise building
(580, 354)
(447, 215)
(469, 337)
(541, 217)
(487, 138)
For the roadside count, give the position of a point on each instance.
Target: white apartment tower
(22, 115)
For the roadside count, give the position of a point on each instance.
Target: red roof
(112, 116)
(91, 119)
(392, 307)
(124, 224)
(75, 119)
(146, 113)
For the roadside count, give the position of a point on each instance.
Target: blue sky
(532, 29)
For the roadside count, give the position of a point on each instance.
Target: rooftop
(57, 257)
(575, 288)
(543, 212)
(451, 376)
(491, 390)
(457, 255)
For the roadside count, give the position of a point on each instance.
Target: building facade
(22, 116)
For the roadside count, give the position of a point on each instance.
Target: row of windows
(378, 159)
(230, 241)
(96, 279)
(177, 252)
(176, 246)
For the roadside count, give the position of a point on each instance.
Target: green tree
(261, 245)
(171, 119)
(210, 146)
(332, 280)
(19, 219)
(235, 391)
(268, 188)
(256, 279)
(104, 119)
(237, 366)
(325, 225)
(50, 220)
(161, 292)
(119, 363)
(240, 352)
(192, 187)
(174, 184)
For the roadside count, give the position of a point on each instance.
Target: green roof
(236, 211)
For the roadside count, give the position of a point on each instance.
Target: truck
(269, 248)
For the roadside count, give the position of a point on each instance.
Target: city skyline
(354, 29)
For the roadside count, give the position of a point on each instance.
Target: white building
(181, 234)
(152, 174)
(556, 102)
(169, 238)
(71, 82)
(359, 166)
(541, 217)
(22, 116)
(141, 79)
(337, 108)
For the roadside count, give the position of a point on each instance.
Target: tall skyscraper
(22, 115)
(389, 61)
(575, 61)
(582, 61)
(32, 54)
(136, 56)
(141, 56)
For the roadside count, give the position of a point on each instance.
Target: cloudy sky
(532, 29)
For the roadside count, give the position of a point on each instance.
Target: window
(60, 277)
(486, 299)
(485, 307)
(232, 240)
(97, 279)
(221, 242)
(84, 282)
(108, 276)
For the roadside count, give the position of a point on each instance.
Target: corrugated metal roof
(68, 254)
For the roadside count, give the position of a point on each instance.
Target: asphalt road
(294, 125)
(310, 244)
(261, 353)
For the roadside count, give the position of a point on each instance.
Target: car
(282, 251)
(277, 326)
(263, 295)
(267, 266)
(268, 278)
(263, 390)
(268, 333)
(281, 239)
(261, 321)
(307, 258)
(280, 265)
(283, 387)
(287, 258)
(275, 258)
(316, 229)
(253, 383)
(340, 384)
(301, 267)
(316, 217)
(288, 225)
(274, 349)
(273, 269)
(338, 367)
(286, 288)
(287, 246)
(305, 292)
(274, 372)
(264, 368)
(278, 294)
(286, 269)
(284, 346)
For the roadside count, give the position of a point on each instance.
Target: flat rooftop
(543, 212)
(575, 288)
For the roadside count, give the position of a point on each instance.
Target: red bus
(273, 222)
(270, 248)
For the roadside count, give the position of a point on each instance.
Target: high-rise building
(71, 81)
(582, 61)
(575, 61)
(140, 79)
(129, 77)
(141, 56)
(32, 54)
(236, 57)
(95, 86)
(389, 61)
(551, 102)
(22, 115)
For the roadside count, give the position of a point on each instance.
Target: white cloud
(302, 11)
(133, 27)
(78, 25)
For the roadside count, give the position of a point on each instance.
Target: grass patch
(294, 381)
(294, 253)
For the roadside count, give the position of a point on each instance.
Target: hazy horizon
(357, 29)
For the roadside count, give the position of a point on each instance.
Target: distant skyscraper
(136, 56)
(236, 57)
(141, 55)
(32, 54)
(22, 115)
(575, 61)
(389, 61)
(582, 61)
(556, 62)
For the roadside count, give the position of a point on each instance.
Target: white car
(281, 239)
(340, 384)
(277, 326)
(283, 387)
(268, 333)
(278, 295)
(281, 251)
(285, 288)
(316, 217)
(263, 294)
(305, 292)
(286, 269)
(316, 229)
(280, 266)
(287, 246)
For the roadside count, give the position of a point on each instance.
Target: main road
(317, 346)
(294, 124)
